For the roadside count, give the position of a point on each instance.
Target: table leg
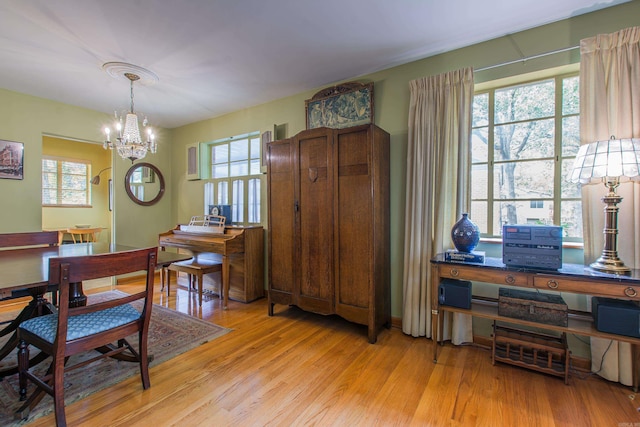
(77, 298)
(435, 329)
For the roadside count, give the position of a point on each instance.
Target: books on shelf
(453, 255)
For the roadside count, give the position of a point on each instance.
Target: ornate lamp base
(614, 266)
(609, 261)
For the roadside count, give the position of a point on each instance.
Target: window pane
(220, 153)
(223, 193)
(568, 189)
(255, 148)
(49, 196)
(520, 212)
(74, 168)
(480, 110)
(239, 168)
(255, 167)
(529, 140)
(570, 135)
(479, 183)
(479, 145)
(525, 102)
(237, 207)
(74, 182)
(49, 165)
(73, 197)
(479, 215)
(239, 150)
(220, 171)
(254, 200)
(571, 95)
(571, 219)
(524, 180)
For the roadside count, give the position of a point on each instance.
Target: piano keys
(241, 250)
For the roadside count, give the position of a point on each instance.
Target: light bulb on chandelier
(127, 141)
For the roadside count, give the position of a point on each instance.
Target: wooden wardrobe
(328, 200)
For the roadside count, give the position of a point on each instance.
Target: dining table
(28, 269)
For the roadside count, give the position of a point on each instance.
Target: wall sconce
(96, 179)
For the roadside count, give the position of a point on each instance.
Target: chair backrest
(84, 235)
(66, 270)
(34, 238)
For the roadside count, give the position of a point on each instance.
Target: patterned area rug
(170, 333)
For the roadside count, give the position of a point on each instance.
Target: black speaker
(455, 293)
(616, 316)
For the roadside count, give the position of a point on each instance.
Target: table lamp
(606, 162)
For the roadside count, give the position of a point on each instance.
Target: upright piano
(241, 250)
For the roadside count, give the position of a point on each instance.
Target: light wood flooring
(296, 369)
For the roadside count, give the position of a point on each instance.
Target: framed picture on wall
(11, 159)
(341, 106)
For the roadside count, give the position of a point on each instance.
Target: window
(236, 176)
(65, 182)
(524, 141)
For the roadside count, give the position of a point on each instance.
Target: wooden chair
(92, 327)
(34, 238)
(197, 267)
(84, 235)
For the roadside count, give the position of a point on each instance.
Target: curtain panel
(610, 106)
(438, 161)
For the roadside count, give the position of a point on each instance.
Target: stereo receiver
(532, 246)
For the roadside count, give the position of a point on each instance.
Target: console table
(571, 278)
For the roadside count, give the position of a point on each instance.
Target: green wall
(26, 119)
(391, 107)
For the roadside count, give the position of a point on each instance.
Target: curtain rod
(515, 61)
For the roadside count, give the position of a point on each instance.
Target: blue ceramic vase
(465, 234)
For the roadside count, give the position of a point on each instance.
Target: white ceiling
(217, 56)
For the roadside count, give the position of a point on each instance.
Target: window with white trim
(65, 182)
(236, 176)
(524, 140)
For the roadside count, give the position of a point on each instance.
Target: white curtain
(438, 156)
(610, 105)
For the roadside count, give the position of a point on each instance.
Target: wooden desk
(29, 269)
(571, 278)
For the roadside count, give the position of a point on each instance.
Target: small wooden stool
(198, 267)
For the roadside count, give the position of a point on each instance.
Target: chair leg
(200, 280)
(23, 366)
(58, 391)
(144, 359)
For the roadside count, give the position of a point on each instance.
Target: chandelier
(128, 141)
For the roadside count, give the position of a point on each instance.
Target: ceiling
(213, 57)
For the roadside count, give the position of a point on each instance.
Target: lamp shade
(610, 158)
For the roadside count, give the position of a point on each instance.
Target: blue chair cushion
(83, 325)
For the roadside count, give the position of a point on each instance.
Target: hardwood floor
(297, 368)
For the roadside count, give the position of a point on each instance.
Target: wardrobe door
(314, 225)
(362, 244)
(354, 197)
(282, 210)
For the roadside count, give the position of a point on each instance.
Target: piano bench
(198, 268)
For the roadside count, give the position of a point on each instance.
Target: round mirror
(144, 184)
